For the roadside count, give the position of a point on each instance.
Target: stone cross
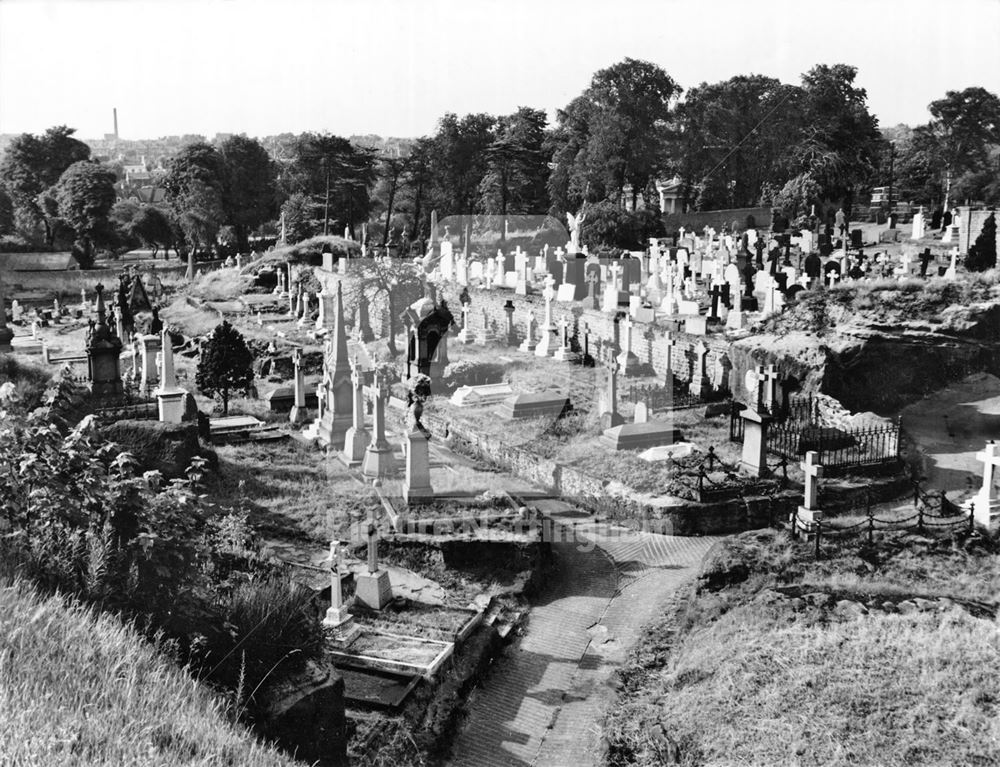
(549, 294)
(771, 377)
(592, 279)
(813, 472)
(615, 270)
(564, 324)
(671, 342)
(611, 417)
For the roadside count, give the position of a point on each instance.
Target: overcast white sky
(393, 67)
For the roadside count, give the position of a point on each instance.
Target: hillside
(874, 656)
(78, 687)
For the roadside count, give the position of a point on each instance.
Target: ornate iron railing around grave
(931, 514)
(795, 435)
(660, 398)
(836, 448)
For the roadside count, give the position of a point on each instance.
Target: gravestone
(528, 344)
(373, 588)
(170, 397)
(481, 396)
(298, 413)
(984, 506)
(639, 436)
(641, 414)
(628, 362)
(546, 404)
(417, 483)
(338, 618)
(379, 460)
(809, 514)
(610, 417)
(356, 438)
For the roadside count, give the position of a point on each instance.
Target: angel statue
(575, 222)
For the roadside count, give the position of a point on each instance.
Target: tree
(517, 165)
(730, 139)
(33, 164)
(966, 124)
(797, 196)
(418, 180)
(338, 176)
(85, 194)
(983, 254)
(841, 143)
(614, 134)
(299, 212)
(458, 161)
(144, 224)
(224, 365)
(249, 193)
(194, 183)
(200, 215)
(396, 281)
(392, 171)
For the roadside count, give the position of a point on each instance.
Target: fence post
(711, 458)
(916, 492)
(817, 527)
(920, 517)
(871, 527)
(784, 472)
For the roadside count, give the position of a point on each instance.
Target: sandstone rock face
(874, 369)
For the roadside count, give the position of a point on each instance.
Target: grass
(77, 687)
(290, 490)
(744, 673)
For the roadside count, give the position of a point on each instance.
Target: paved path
(544, 701)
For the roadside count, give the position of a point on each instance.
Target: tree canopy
(85, 193)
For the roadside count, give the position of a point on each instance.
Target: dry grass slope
(757, 676)
(80, 688)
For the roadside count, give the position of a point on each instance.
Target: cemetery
(657, 432)
(637, 412)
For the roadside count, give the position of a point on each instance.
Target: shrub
(983, 254)
(225, 365)
(76, 518)
(30, 381)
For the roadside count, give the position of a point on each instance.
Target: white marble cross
(813, 472)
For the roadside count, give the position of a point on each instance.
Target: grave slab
(479, 396)
(535, 406)
(632, 436)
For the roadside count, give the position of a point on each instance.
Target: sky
(392, 67)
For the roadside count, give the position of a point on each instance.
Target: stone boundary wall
(716, 218)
